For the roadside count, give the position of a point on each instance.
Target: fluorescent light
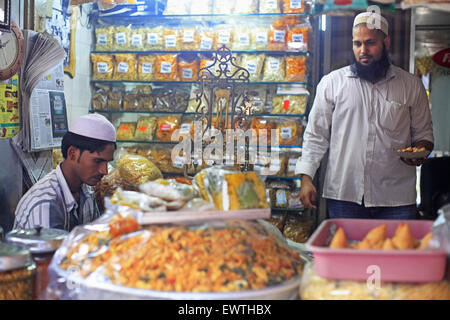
(324, 23)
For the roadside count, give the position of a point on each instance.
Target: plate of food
(412, 153)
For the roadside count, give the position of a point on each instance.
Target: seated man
(64, 198)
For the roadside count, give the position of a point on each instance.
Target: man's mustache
(365, 56)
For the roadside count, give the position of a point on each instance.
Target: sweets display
(226, 256)
(314, 287)
(230, 189)
(377, 239)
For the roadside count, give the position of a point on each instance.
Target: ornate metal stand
(222, 101)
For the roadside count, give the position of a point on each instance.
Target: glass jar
(42, 244)
(17, 271)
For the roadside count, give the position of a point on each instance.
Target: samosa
(339, 240)
(403, 239)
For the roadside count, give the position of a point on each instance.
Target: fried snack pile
(376, 239)
(231, 256)
(411, 149)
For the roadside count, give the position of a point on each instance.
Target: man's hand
(418, 162)
(308, 192)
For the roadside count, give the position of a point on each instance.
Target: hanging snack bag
(269, 6)
(130, 101)
(254, 64)
(188, 70)
(246, 6)
(289, 132)
(126, 131)
(137, 39)
(293, 6)
(166, 67)
(241, 37)
(136, 170)
(274, 68)
(189, 38)
(121, 38)
(295, 68)
(207, 38)
(260, 36)
(297, 36)
(223, 36)
(154, 38)
(176, 7)
(114, 99)
(170, 38)
(102, 66)
(224, 7)
(165, 128)
(125, 67)
(277, 35)
(104, 38)
(99, 98)
(145, 128)
(201, 7)
(290, 104)
(145, 99)
(146, 67)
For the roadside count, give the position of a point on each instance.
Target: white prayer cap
(94, 126)
(373, 21)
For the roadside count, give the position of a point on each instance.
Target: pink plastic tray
(393, 265)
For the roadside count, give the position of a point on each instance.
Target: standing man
(64, 198)
(362, 113)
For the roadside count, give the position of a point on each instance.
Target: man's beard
(374, 71)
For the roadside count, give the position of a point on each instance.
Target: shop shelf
(194, 113)
(147, 142)
(187, 82)
(201, 51)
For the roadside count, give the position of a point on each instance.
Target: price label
(286, 104)
(102, 38)
(171, 41)
(121, 38)
(261, 38)
(286, 133)
(188, 36)
(187, 73)
(166, 67)
(244, 39)
(178, 162)
(206, 43)
(296, 4)
(136, 40)
(274, 65)
(165, 127)
(292, 164)
(122, 67)
(185, 128)
(102, 67)
(251, 67)
(152, 39)
(147, 68)
(271, 4)
(142, 128)
(297, 37)
(279, 35)
(224, 37)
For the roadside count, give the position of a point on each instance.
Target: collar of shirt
(69, 200)
(389, 74)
